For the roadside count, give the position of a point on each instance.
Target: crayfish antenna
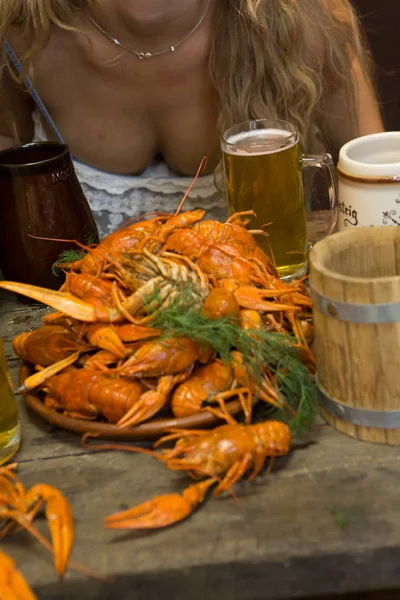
(70, 305)
(123, 447)
(12, 583)
(161, 511)
(202, 166)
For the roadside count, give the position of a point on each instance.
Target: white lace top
(115, 198)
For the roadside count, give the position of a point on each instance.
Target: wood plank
(283, 542)
(381, 595)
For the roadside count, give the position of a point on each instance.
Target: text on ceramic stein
(61, 175)
(350, 213)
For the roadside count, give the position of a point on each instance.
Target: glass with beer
(263, 172)
(9, 420)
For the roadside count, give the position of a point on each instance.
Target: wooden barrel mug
(355, 286)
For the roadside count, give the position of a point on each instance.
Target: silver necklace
(142, 55)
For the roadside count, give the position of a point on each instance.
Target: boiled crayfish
(19, 507)
(12, 583)
(220, 458)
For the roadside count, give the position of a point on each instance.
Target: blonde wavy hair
(269, 58)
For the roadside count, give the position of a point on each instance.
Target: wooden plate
(147, 431)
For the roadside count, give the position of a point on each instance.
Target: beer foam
(271, 140)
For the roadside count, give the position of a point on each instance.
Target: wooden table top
(325, 521)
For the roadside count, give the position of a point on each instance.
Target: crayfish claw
(60, 521)
(161, 511)
(40, 377)
(12, 583)
(105, 337)
(68, 304)
(149, 403)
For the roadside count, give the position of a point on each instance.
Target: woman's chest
(117, 111)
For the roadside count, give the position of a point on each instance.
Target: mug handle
(324, 161)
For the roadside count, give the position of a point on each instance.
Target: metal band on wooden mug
(356, 313)
(365, 417)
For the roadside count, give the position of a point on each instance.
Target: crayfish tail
(161, 511)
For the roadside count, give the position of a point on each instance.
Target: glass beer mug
(263, 172)
(9, 420)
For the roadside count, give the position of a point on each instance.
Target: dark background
(381, 20)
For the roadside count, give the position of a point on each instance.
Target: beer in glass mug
(263, 172)
(9, 420)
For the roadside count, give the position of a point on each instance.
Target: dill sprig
(342, 516)
(261, 350)
(65, 258)
(71, 255)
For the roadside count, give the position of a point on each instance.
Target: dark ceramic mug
(40, 196)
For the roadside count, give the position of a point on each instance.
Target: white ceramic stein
(369, 181)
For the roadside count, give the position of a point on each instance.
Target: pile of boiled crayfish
(110, 353)
(102, 356)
